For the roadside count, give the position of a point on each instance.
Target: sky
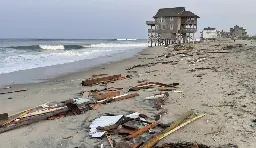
(104, 19)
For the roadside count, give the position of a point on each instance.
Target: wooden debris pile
(133, 128)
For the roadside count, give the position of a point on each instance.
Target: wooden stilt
(151, 39)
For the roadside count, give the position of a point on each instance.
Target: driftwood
(90, 82)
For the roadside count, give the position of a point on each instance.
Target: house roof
(174, 12)
(209, 28)
(189, 14)
(165, 12)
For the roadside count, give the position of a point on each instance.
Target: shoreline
(218, 91)
(54, 75)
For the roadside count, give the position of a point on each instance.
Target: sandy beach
(220, 84)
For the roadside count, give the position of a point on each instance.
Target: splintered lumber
(168, 131)
(141, 131)
(90, 82)
(152, 84)
(118, 98)
(101, 96)
(152, 142)
(125, 97)
(32, 119)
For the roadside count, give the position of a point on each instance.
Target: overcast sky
(94, 19)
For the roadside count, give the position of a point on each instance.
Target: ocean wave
(112, 45)
(48, 47)
(71, 47)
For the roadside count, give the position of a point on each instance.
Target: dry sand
(227, 93)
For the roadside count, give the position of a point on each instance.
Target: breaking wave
(70, 47)
(48, 47)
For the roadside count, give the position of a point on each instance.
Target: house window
(157, 27)
(188, 18)
(163, 27)
(171, 27)
(192, 18)
(161, 20)
(171, 18)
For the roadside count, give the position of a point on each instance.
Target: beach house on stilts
(172, 25)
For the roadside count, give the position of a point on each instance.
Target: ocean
(19, 55)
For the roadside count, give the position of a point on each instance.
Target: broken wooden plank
(141, 131)
(90, 82)
(125, 97)
(102, 96)
(33, 119)
(153, 141)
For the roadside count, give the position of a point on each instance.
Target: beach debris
(201, 68)
(160, 102)
(199, 75)
(160, 99)
(151, 85)
(103, 121)
(183, 145)
(194, 145)
(160, 114)
(116, 125)
(101, 96)
(67, 137)
(141, 131)
(173, 127)
(152, 142)
(118, 98)
(141, 65)
(10, 92)
(126, 129)
(49, 110)
(90, 82)
(32, 118)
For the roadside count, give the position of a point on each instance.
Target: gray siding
(164, 28)
(238, 33)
